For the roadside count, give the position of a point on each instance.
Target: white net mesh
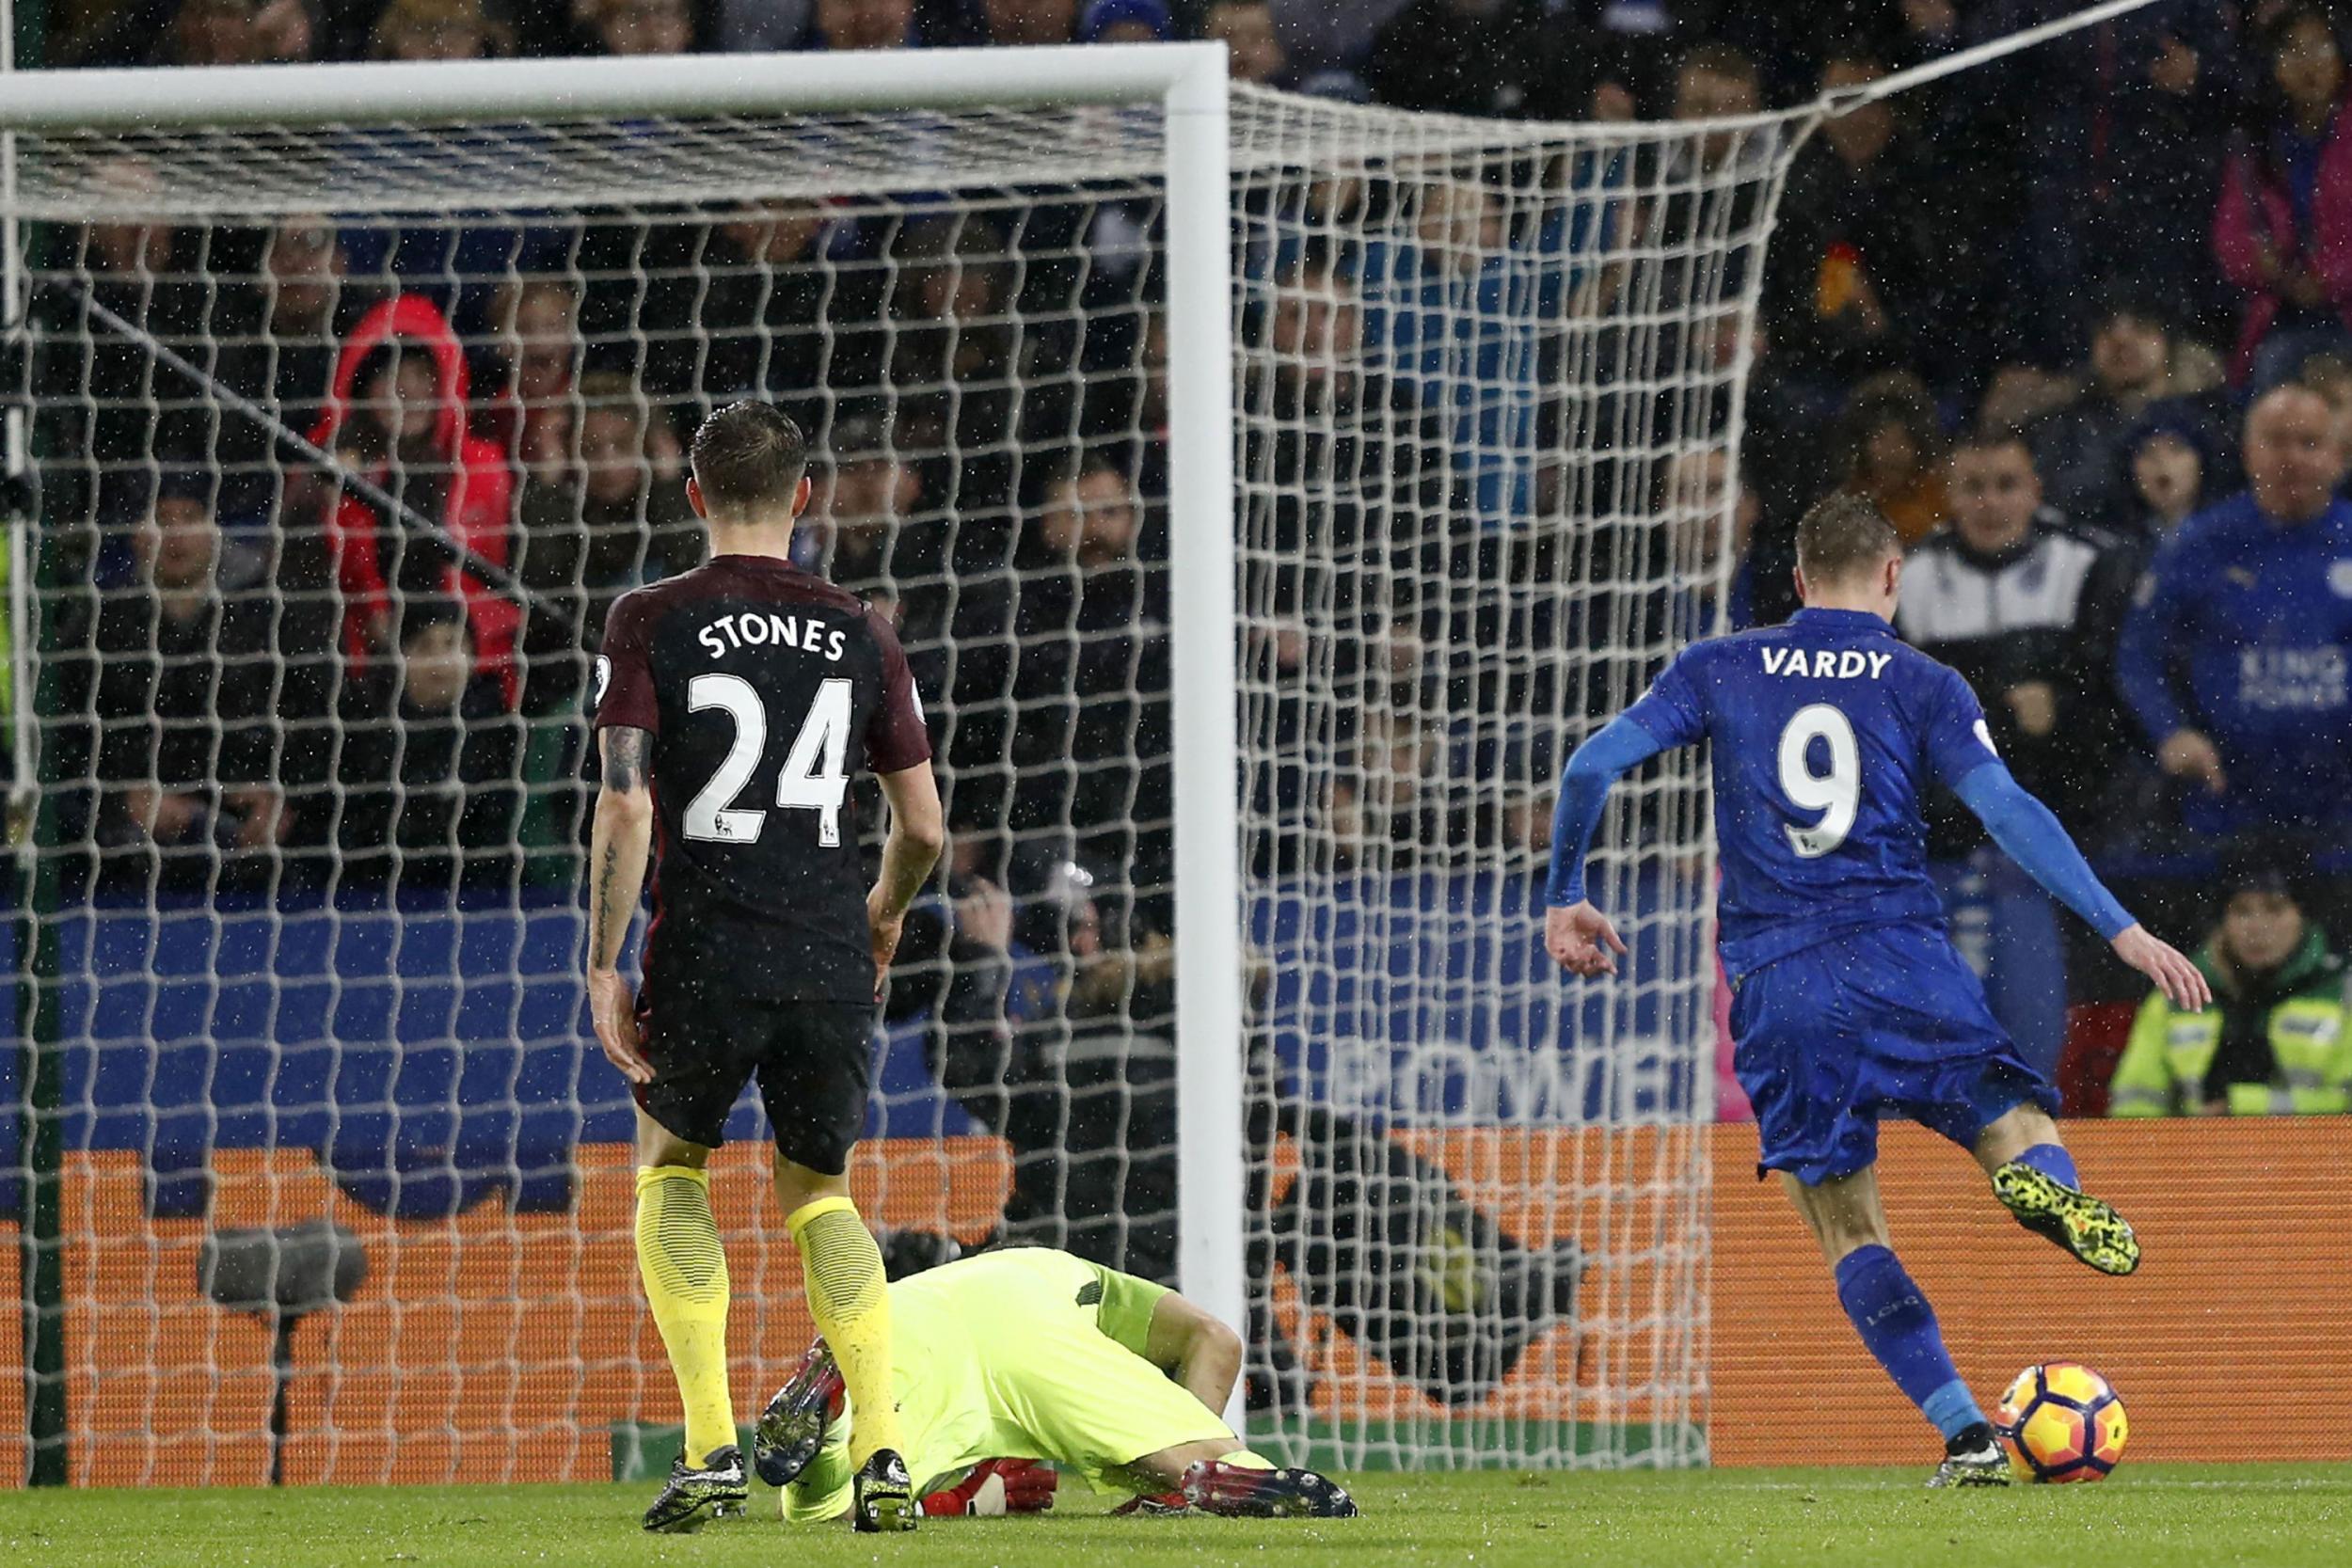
(1487, 406)
(306, 724)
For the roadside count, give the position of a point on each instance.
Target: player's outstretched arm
(2034, 838)
(1577, 936)
(918, 832)
(618, 846)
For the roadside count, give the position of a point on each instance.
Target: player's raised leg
(2034, 1178)
(685, 1272)
(1896, 1323)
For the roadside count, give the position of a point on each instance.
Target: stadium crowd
(2080, 326)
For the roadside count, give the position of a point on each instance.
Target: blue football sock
(1896, 1323)
(2052, 1160)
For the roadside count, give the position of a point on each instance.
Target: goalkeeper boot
(1152, 1506)
(1242, 1492)
(2084, 1226)
(792, 1428)
(1972, 1458)
(883, 1497)
(696, 1494)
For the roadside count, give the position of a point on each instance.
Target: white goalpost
(1269, 493)
(1469, 353)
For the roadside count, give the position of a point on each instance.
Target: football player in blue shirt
(1848, 1000)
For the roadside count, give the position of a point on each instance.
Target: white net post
(1210, 1175)
(1343, 453)
(374, 1025)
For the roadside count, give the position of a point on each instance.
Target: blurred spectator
(2025, 607)
(2169, 457)
(187, 743)
(953, 362)
(200, 32)
(1055, 1035)
(607, 524)
(282, 356)
(1698, 492)
(1385, 805)
(778, 318)
(105, 403)
(1613, 60)
(2078, 446)
(1125, 22)
(2117, 130)
(1457, 57)
(863, 25)
(2237, 659)
(437, 30)
(1716, 81)
(2282, 229)
(1869, 269)
(770, 26)
(2276, 1039)
(428, 769)
(638, 26)
(1444, 308)
(1894, 452)
(1254, 51)
(1705, 188)
(525, 370)
(868, 528)
(397, 416)
(1020, 22)
(1092, 682)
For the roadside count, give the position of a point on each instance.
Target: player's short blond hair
(1842, 536)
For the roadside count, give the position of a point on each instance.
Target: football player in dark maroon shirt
(732, 702)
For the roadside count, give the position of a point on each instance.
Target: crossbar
(694, 86)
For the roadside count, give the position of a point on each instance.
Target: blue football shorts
(1882, 1022)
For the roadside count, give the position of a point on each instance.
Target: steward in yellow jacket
(2279, 1037)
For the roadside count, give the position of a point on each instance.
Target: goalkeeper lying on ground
(1032, 1354)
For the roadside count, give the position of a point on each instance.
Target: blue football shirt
(1826, 731)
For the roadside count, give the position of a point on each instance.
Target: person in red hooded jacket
(396, 415)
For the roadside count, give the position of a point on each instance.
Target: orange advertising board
(502, 1347)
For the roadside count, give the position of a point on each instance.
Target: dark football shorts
(815, 1062)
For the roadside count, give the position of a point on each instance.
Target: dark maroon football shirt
(763, 687)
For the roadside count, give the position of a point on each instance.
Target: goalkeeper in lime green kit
(1014, 1359)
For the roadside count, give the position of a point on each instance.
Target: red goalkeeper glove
(996, 1487)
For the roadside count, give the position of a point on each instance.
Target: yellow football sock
(1242, 1459)
(846, 1296)
(685, 1271)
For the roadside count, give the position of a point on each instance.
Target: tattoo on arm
(625, 755)
(619, 848)
(607, 896)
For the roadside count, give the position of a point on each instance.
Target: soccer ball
(2062, 1422)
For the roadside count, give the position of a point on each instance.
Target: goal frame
(1188, 81)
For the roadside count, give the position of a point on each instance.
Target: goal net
(345, 428)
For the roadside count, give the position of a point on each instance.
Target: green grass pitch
(2153, 1516)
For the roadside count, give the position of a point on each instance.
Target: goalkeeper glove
(998, 1488)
